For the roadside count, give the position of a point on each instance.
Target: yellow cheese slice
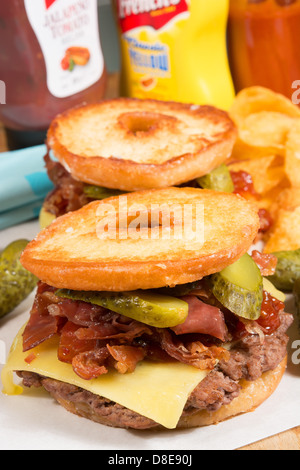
(269, 287)
(158, 391)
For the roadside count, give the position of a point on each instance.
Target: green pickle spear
(287, 269)
(98, 192)
(150, 308)
(219, 180)
(180, 290)
(239, 287)
(16, 282)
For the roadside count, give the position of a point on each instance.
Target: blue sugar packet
(24, 183)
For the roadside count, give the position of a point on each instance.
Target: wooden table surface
(288, 440)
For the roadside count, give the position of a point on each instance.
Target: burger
(153, 312)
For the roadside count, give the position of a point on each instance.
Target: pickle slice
(150, 308)
(98, 192)
(16, 282)
(239, 287)
(287, 270)
(180, 290)
(219, 180)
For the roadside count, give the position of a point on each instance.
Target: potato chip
(266, 172)
(255, 99)
(285, 233)
(287, 198)
(266, 202)
(292, 161)
(268, 199)
(268, 148)
(246, 151)
(266, 129)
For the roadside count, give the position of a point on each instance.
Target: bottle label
(156, 13)
(68, 33)
(149, 29)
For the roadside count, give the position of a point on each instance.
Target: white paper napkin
(33, 421)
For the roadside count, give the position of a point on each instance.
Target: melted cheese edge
(158, 391)
(269, 287)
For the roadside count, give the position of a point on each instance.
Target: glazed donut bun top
(132, 144)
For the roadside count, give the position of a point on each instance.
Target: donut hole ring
(139, 123)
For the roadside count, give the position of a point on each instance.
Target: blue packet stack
(24, 184)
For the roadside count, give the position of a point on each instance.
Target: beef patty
(249, 358)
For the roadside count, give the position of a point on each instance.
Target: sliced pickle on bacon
(218, 179)
(239, 287)
(180, 290)
(98, 192)
(150, 308)
(287, 269)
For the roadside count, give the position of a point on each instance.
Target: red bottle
(264, 44)
(50, 60)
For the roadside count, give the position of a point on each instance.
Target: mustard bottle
(175, 50)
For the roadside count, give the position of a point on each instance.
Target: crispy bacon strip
(68, 194)
(266, 262)
(109, 331)
(81, 313)
(202, 318)
(94, 339)
(39, 329)
(70, 345)
(90, 364)
(193, 353)
(127, 357)
(41, 326)
(99, 323)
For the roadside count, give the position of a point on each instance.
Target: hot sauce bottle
(50, 60)
(264, 43)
